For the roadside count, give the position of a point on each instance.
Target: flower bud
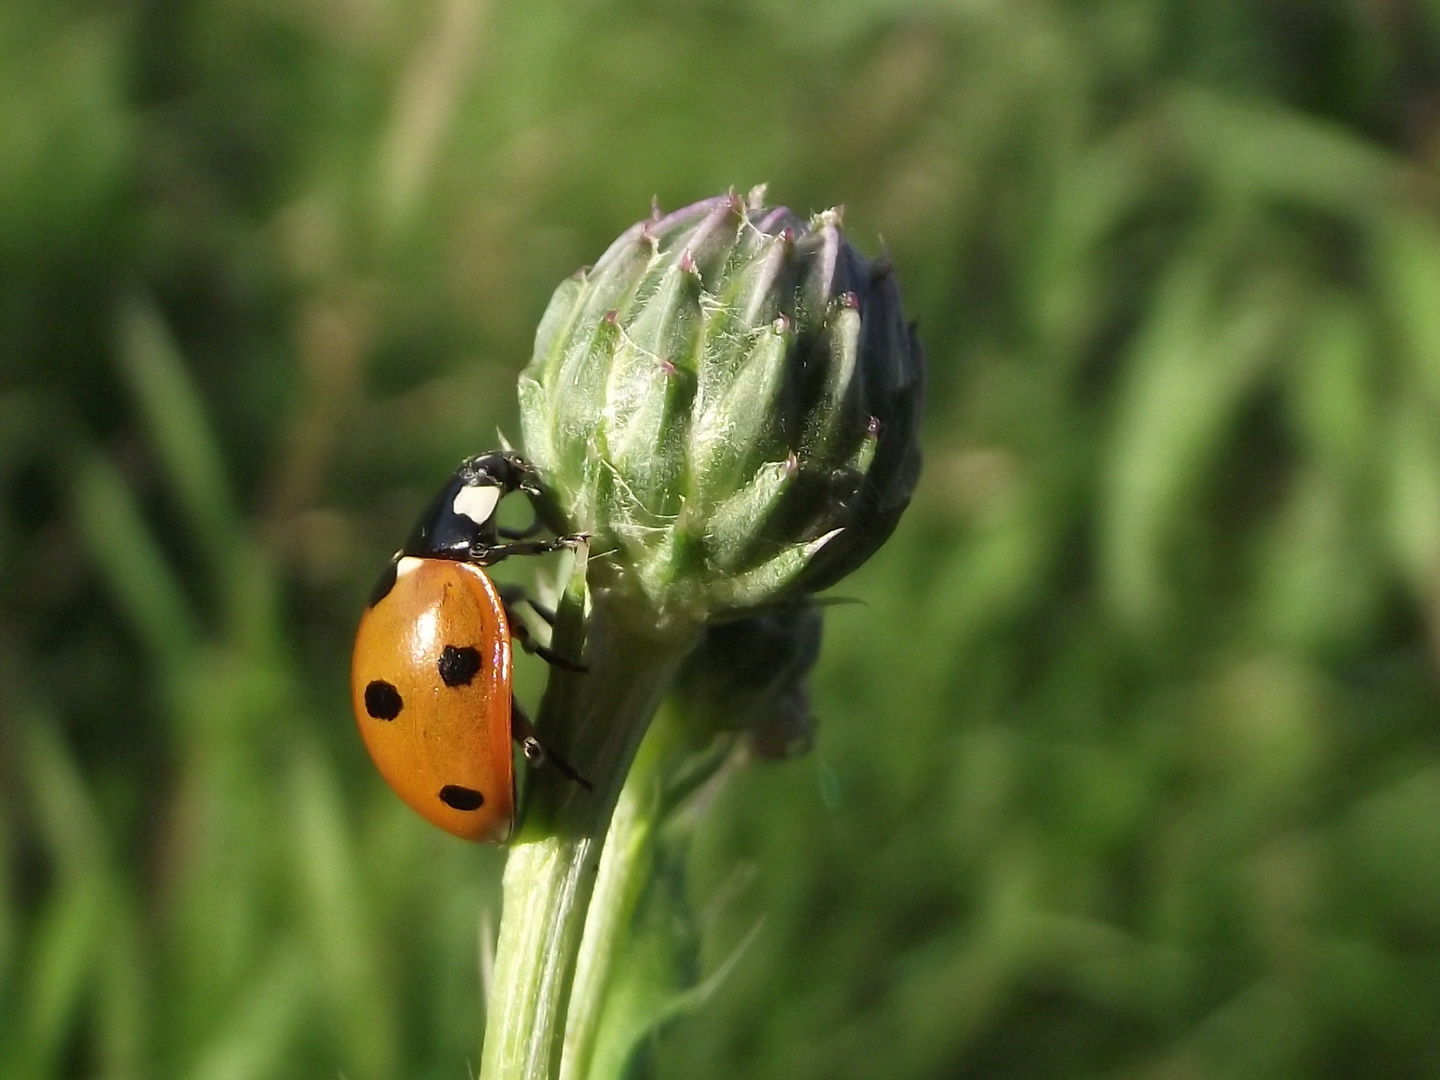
(728, 404)
(751, 675)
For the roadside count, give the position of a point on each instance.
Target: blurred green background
(1130, 764)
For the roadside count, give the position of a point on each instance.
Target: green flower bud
(751, 675)
(728, 404)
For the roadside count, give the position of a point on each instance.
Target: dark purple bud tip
(687, 262)
(781, 325)
(667, 367)
(849, 300)
(610, 317)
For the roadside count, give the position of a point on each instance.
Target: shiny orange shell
(430, 682)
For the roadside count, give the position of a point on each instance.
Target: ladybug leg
(510, 597)
(535, 752)
(547, 615)
(491, 555)
(521, 633)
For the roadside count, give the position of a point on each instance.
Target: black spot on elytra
(382, 701)
(385, 584)
(461, 798)
(458, 664)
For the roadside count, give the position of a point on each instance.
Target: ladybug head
(459, 522)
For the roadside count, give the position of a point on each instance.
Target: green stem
(624, 869)
(551, 872)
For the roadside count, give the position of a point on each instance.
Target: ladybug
(430, 677)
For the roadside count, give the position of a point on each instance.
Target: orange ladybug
(431, 672)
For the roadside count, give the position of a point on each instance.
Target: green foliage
(1128, 765)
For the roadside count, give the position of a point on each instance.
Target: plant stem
(552, 867)
(625, 865)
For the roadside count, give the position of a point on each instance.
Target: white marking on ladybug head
(406, 564)
(477, 503)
